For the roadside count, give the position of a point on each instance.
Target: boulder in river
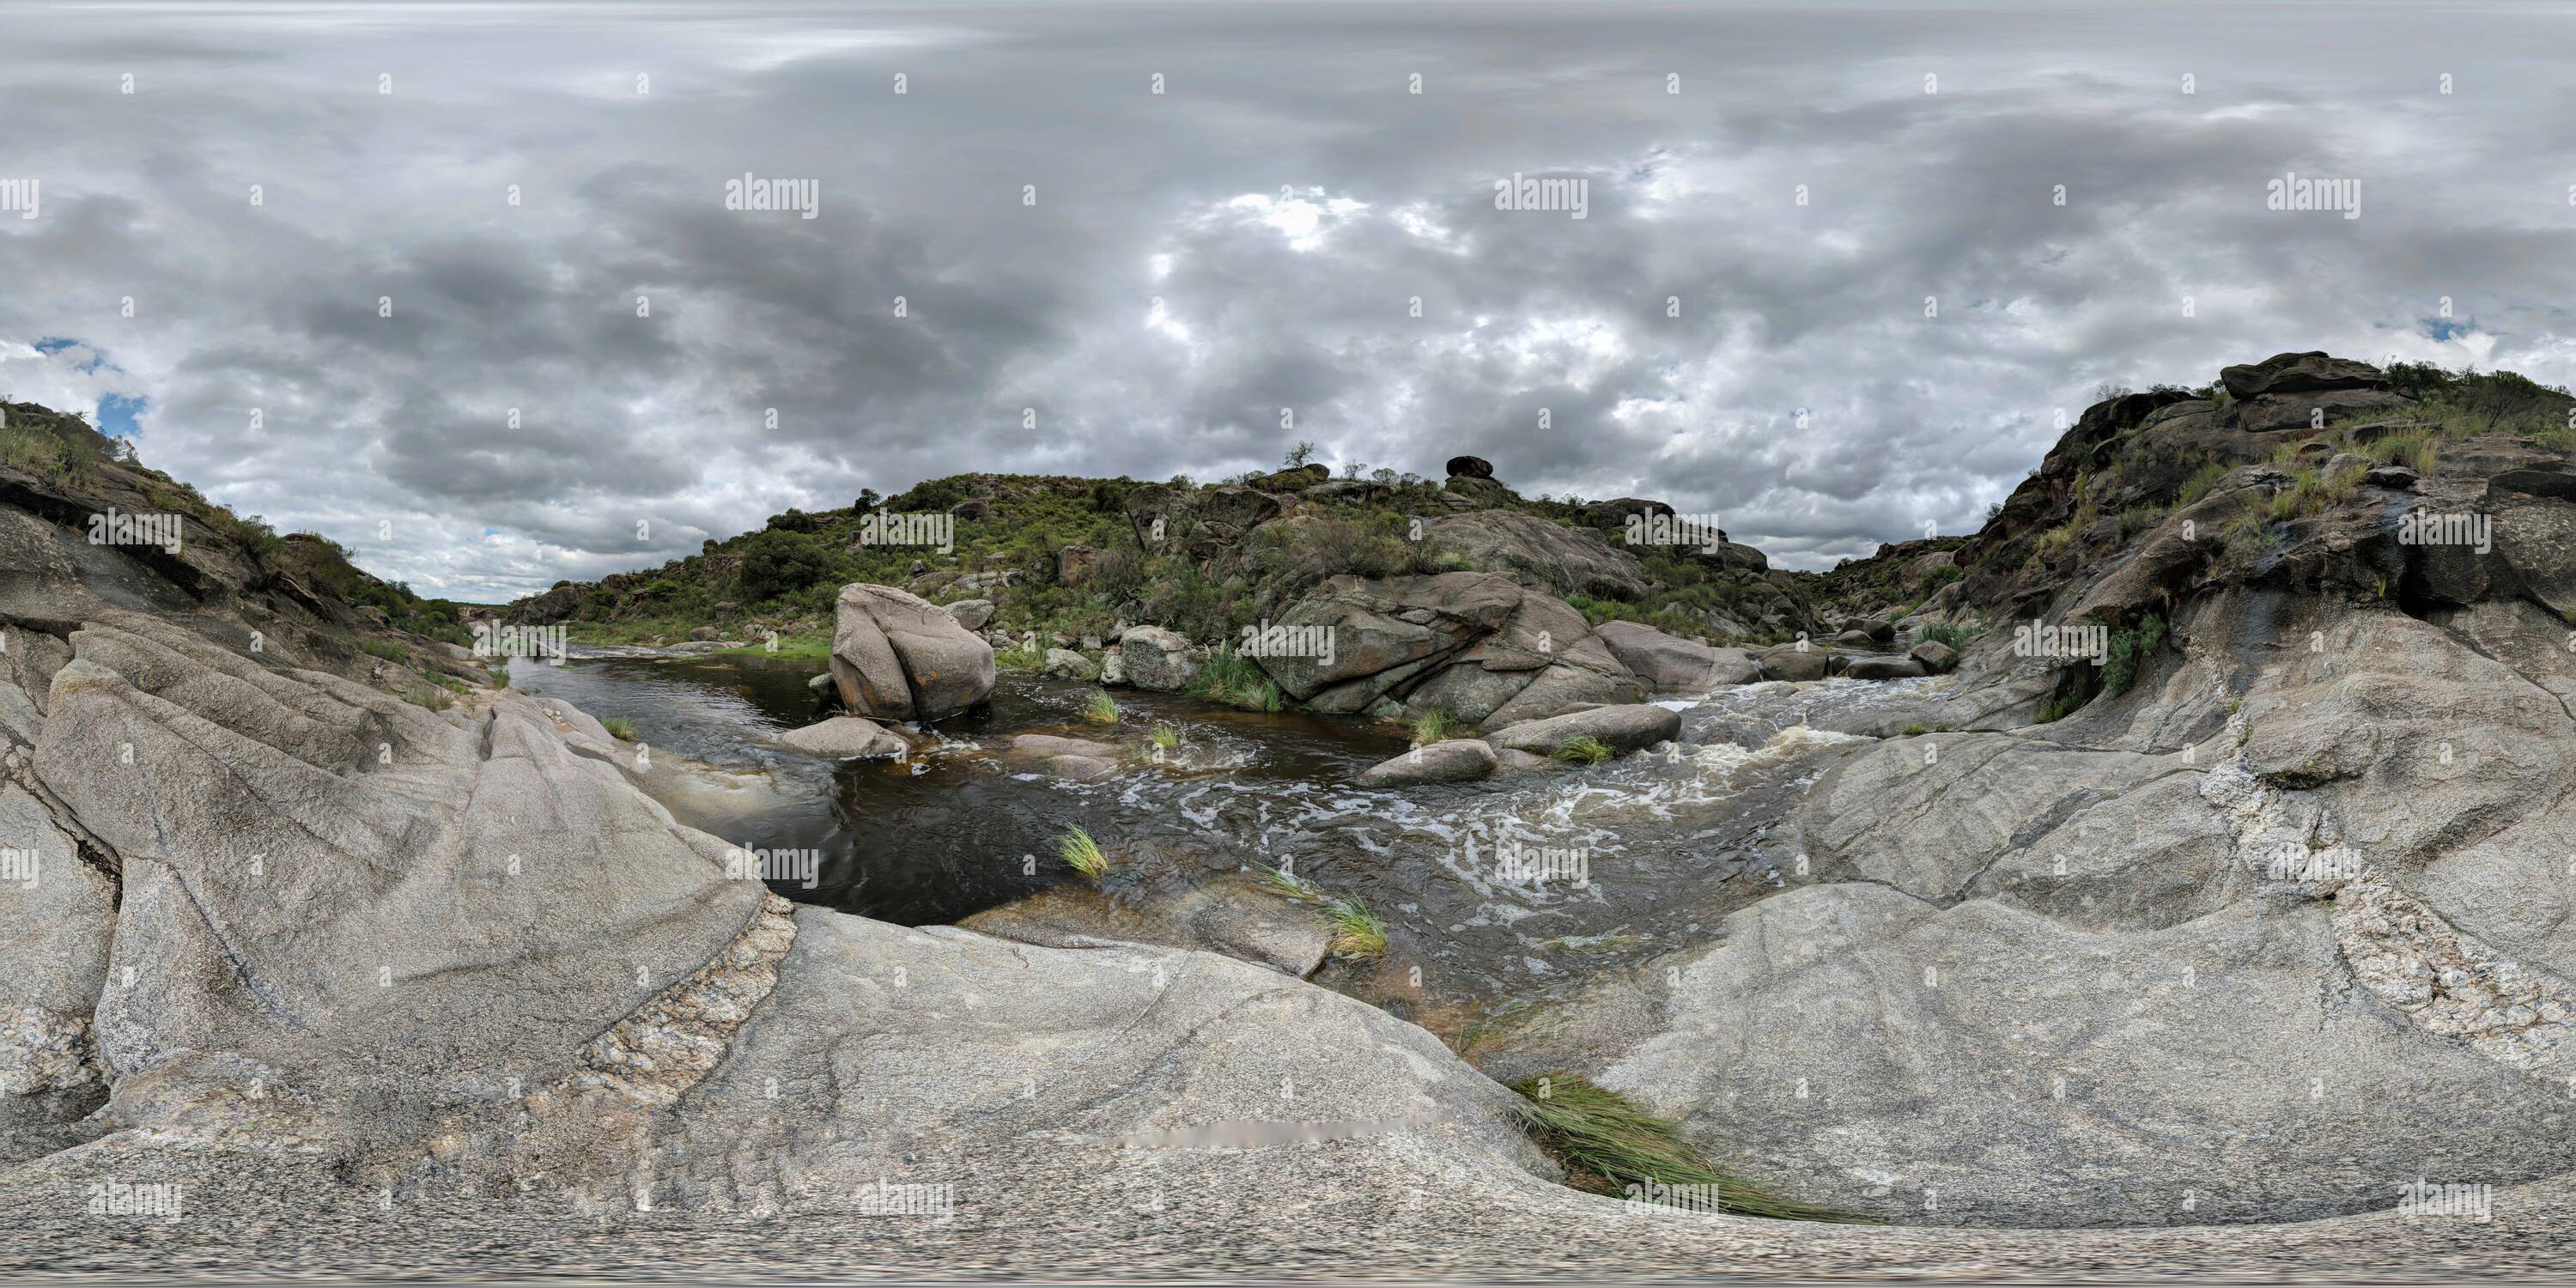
(1459, 760)
(846, 738)
(1064, 663)
(1935, 656)
(1625, 728)
(1794, 662)
(1473, 643)
(1670, 662)
(1884, 668)
(896, 657)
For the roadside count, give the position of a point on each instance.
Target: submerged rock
(846, 738)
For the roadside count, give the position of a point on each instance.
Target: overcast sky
(1254, 238)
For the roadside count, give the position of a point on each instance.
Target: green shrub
(2129, 650)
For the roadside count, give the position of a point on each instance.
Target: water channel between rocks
(1666, 843)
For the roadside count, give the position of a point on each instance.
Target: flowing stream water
(1617, 863)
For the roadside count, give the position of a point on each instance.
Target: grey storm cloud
(1286, 233)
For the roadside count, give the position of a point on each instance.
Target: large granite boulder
(2287, 373)
(1670, 662)
(1631, 727)
(1460, 760)
(896, 657)
(846, 738)
(1471, 642)
(1156, 659)
(1543, 556)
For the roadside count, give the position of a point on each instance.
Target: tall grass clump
(1082, 854)
(1611, 1145)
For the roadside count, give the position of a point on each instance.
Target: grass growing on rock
(1166, 737)
(619, 727)
(1357, 932)
(1440, 724)
(1100, 708)
(430, 696)
(1584, 750)
(1609, 1144)
(386, 649)
(1082, 854)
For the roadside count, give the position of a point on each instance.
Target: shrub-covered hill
(1076, 557)
(2136, 459)
(230, 575)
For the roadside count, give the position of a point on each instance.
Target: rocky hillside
(1082, 558)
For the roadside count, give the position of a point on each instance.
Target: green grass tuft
(386, 649)
(1082, 854)
(1167, 737)
(431, 696)
(1100, 708)
(2129, 649)
(1440, 724)
(1610, 1144)
(1585, 750)
(1229, 679)
(619, 727)
(1357, 933)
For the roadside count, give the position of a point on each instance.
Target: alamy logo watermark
(2036, 638)
(21, 868)
(1267, 640)
(803, 867)
(1679, 1198)
(1536, 864)
(2423, 528)
(1566, 196)
(803, 197)
(2458, 1200)
(21, 195)
(497, 639)
(1674, 530)
(886, 1198)
(880, 528)
(118, 1198)
(2294, 193)
(114, 528)
(2294, 861)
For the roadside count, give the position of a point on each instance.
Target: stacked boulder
(896, 656)
(1476, 644)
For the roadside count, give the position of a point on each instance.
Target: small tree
(1298, 456)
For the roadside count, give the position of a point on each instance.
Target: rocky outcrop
(1197, 523)
(897, 658)
(1476, 644)
(1540, 555)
